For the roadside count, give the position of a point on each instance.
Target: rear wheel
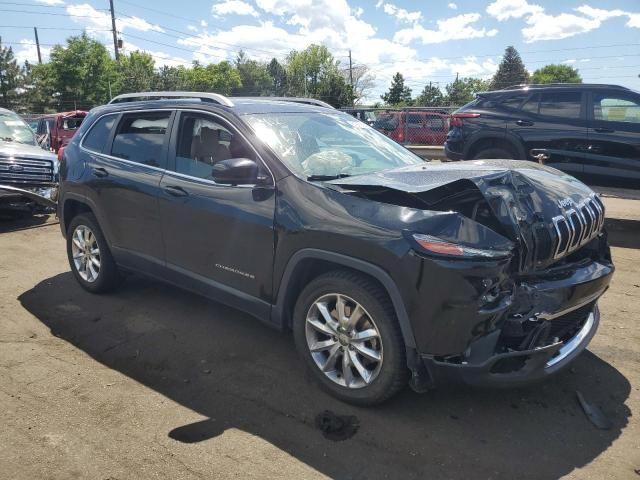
(346, 331)
(89, 255)
(494, 152)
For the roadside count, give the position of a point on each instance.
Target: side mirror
(236, 171)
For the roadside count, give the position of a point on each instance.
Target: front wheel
(346, 330)
(89, 255)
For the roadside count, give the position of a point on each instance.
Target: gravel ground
(149, 382)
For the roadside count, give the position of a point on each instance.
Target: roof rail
(202, 96)
(305, 100)
(567, 85)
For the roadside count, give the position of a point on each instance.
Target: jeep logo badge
(16, 168)
(565, 202)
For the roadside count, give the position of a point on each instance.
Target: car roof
(558, 86)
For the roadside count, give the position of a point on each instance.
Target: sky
(428, 41)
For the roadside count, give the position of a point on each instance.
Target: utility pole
(35, 31)
(353, 99)
(113, 30)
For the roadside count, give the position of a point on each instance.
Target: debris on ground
(337, 427)
(593, 413)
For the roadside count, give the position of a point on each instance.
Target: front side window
(140, 138)
(414, 120)
(616, 108)
(96, 139)
(327, 144)
(203, 142)
(561, 104)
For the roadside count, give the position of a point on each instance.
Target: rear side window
(531, 105)
(560, 104)
(98, 136)
(140, 138)
(435, 123)
(71, 123)
(616, 107)
(414, 120)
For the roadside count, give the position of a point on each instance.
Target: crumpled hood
(526, 198)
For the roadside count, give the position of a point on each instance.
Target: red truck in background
(55, 131)
(414, 127)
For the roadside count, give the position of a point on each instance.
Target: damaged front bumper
(42, 197)
(527, 366)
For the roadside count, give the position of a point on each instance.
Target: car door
(415, 130)
(554, 120)
(219, 239)
(126, 158)
(614, 135)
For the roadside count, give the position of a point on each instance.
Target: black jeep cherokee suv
(591, 131)
(388, 270)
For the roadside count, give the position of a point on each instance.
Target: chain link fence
(426, 126)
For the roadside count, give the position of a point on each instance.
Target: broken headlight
(441, 247)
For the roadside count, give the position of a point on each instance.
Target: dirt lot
(149, 382)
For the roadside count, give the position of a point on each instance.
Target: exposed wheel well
(305, 271)
(71, 209)
(486, 143)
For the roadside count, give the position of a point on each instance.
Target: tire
(99, 278)
(379, 380)
(496, 152)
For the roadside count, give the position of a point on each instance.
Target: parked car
(388, 270)
(414, 127)
(28, 174)
(55, 131)
(365, 115)
(584, 129)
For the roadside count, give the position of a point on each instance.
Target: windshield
(14, 129)
(330, 144)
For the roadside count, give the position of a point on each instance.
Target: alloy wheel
(344, 341)
(86, 253)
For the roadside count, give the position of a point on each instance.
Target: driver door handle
(99, 172)
(176, 191)
(604, 130)
(524, 123)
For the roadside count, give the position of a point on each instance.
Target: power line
(56, 28)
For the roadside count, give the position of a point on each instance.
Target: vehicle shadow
(623, 233)
(11, 223)
(242, 374)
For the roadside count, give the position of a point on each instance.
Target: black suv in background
(591, 131)
(388, 270)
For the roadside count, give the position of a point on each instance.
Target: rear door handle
(176, 191)
(604, 130)
(100, 172)
(524, 123)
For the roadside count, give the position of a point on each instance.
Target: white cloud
(454, 28)
(51, 2)
(452, 6)
(543, 26)
(101, 20)
(506, 9)
(401, 14)
(570, 61)
(233, 7)
(28, 52)
(160, 58)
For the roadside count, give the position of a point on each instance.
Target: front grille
(26, 171)
(578, 226)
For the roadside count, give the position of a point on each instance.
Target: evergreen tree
(463, 90)
(511, 70)
(10, 77)
(398, 93)
(254, 76)
(431, 96)
(278, 78)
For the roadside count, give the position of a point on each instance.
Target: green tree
(511, 70)
(463, 90)
(431, 96)
(556, 73)
(137, 72)
(10, 77)
(399, 93)
(313, 72)
(278, 74)
(39, 91)
(254, 76)
(216, 77)
(80, 73)
(169, 79)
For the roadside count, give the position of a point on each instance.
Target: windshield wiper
(324, 178)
